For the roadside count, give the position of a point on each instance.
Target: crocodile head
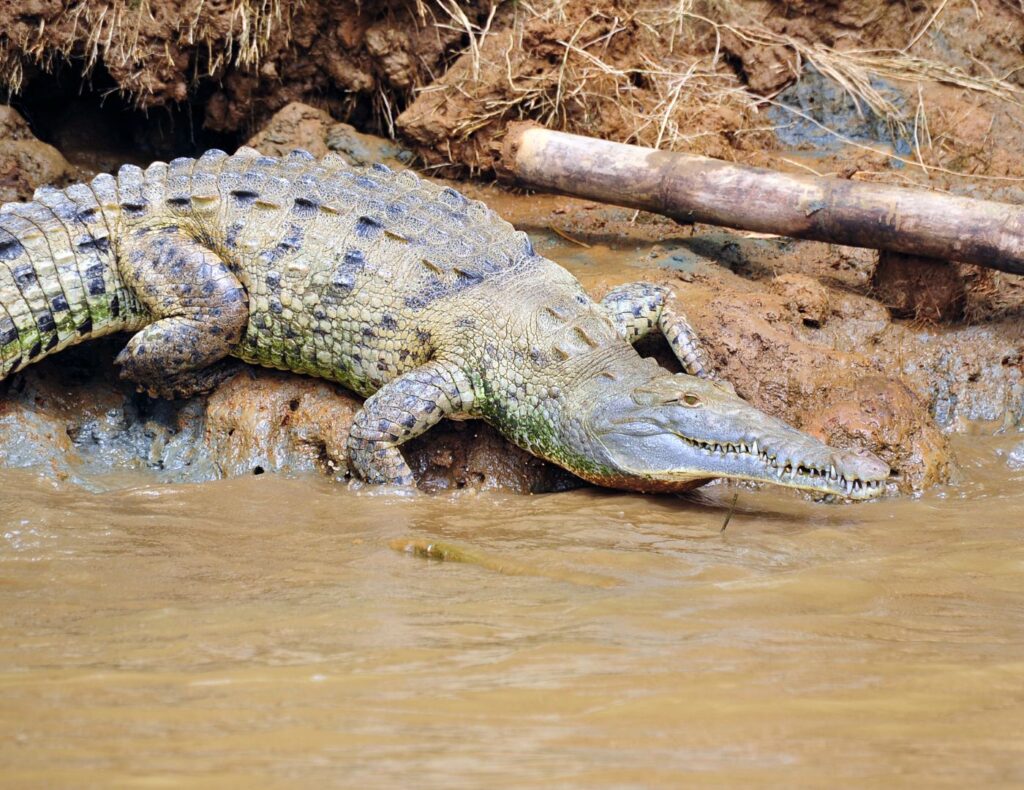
(675, 432)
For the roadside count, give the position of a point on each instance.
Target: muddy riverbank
(867, 353)
(801, 329)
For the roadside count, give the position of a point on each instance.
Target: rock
(394, 54)
(25, 162)
(964, 374)
(31, 438)
(269, 421)
(472, 454)
(882, 414)
(365, 149)
(296, 126)
(301, 126)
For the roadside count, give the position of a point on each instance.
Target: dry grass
(656, 74)
(120, 35)
(588, 80)
(652, 73)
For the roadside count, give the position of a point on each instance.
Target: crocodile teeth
(753, 447)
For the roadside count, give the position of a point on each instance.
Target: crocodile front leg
(200, 311)
(401, 410)
(639, 308)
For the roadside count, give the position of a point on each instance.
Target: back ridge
(59, 274)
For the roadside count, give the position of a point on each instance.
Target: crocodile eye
(689, 399)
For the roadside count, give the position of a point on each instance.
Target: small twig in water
(728, 516)
(567, 237)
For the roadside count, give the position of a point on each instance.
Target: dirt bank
(236, 61)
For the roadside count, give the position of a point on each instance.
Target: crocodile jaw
(677, 432)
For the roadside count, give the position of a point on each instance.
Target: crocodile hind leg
(199, 307)
(401, 410)
(638, 309)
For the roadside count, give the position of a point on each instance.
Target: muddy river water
(265, 631)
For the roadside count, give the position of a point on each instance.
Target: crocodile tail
(58, 279)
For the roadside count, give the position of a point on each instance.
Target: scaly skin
(407, 293)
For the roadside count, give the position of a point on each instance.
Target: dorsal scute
(206, 181)
(104, 186)
(212, 155)
(91, 199)
(333, 163)
(59, 203)
(130, 182)
(39, 216)
(45, 192)
(82, 196)
(154, 182)
(178, 195)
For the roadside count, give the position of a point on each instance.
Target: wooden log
(698, 189)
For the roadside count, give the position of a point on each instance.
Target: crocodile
(422, 301)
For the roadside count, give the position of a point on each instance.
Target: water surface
(262, 632)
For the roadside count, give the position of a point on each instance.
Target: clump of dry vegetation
(696, 75)
(245, 58)
(121, 35)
